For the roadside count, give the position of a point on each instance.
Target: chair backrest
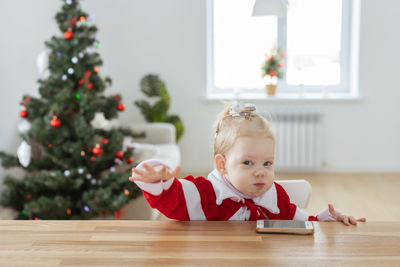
(299, 191)
(156, 132)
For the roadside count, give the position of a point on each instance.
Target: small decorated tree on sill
(272, 69)
(75, 164)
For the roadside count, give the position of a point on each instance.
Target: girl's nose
(259, 173)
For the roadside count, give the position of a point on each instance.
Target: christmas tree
(75, 167)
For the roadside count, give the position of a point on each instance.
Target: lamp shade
(270, 8)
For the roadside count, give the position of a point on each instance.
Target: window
(319, 38)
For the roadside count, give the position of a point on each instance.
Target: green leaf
(151, 85)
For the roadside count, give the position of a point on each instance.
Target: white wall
(168, 38)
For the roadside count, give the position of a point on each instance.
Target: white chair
(159, 143)
(299, 191)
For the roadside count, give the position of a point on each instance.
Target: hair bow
(239, 109)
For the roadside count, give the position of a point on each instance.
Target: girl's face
(249, 165)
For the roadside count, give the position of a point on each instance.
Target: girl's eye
(247, 162)
(268, 163)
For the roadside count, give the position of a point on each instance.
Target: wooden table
(43, 243)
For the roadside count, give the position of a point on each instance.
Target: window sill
(285, 97)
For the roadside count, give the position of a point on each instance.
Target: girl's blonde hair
(238, 120)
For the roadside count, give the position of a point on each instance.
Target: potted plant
(156, 111)
(272, 69)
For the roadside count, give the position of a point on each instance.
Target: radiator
(299, 139)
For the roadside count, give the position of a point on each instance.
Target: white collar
(224, 189)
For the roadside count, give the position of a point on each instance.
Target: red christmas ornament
(119, 213)
(93, 158)
(105, 141)
(272, 73)
(97, 150)
(90, 86)
(55, 122)
(119, 154)
(23, 113)
(68, 35)
(129, 161)
(280, 65)
(121, 107)
(271, 58)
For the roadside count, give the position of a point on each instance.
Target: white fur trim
(325, 216)
(153, 188)
(300, 215)
(193, 201)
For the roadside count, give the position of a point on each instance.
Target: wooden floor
(374, 196)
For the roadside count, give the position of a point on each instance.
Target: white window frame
(348, 87)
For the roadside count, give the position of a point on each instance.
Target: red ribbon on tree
(72, 21)
(87, 75)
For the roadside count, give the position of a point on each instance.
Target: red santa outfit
(215, 198)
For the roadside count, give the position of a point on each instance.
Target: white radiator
(299, 139)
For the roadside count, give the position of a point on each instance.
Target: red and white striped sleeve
(176, 199)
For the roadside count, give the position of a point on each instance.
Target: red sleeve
(170, 202)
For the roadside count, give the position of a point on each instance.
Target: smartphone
(285, 227)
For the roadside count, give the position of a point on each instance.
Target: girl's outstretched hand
(346, 220)
(153, 174)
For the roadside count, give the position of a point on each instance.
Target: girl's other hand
(346, 220)
(153, 174)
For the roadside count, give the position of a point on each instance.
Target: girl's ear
(219, 162)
